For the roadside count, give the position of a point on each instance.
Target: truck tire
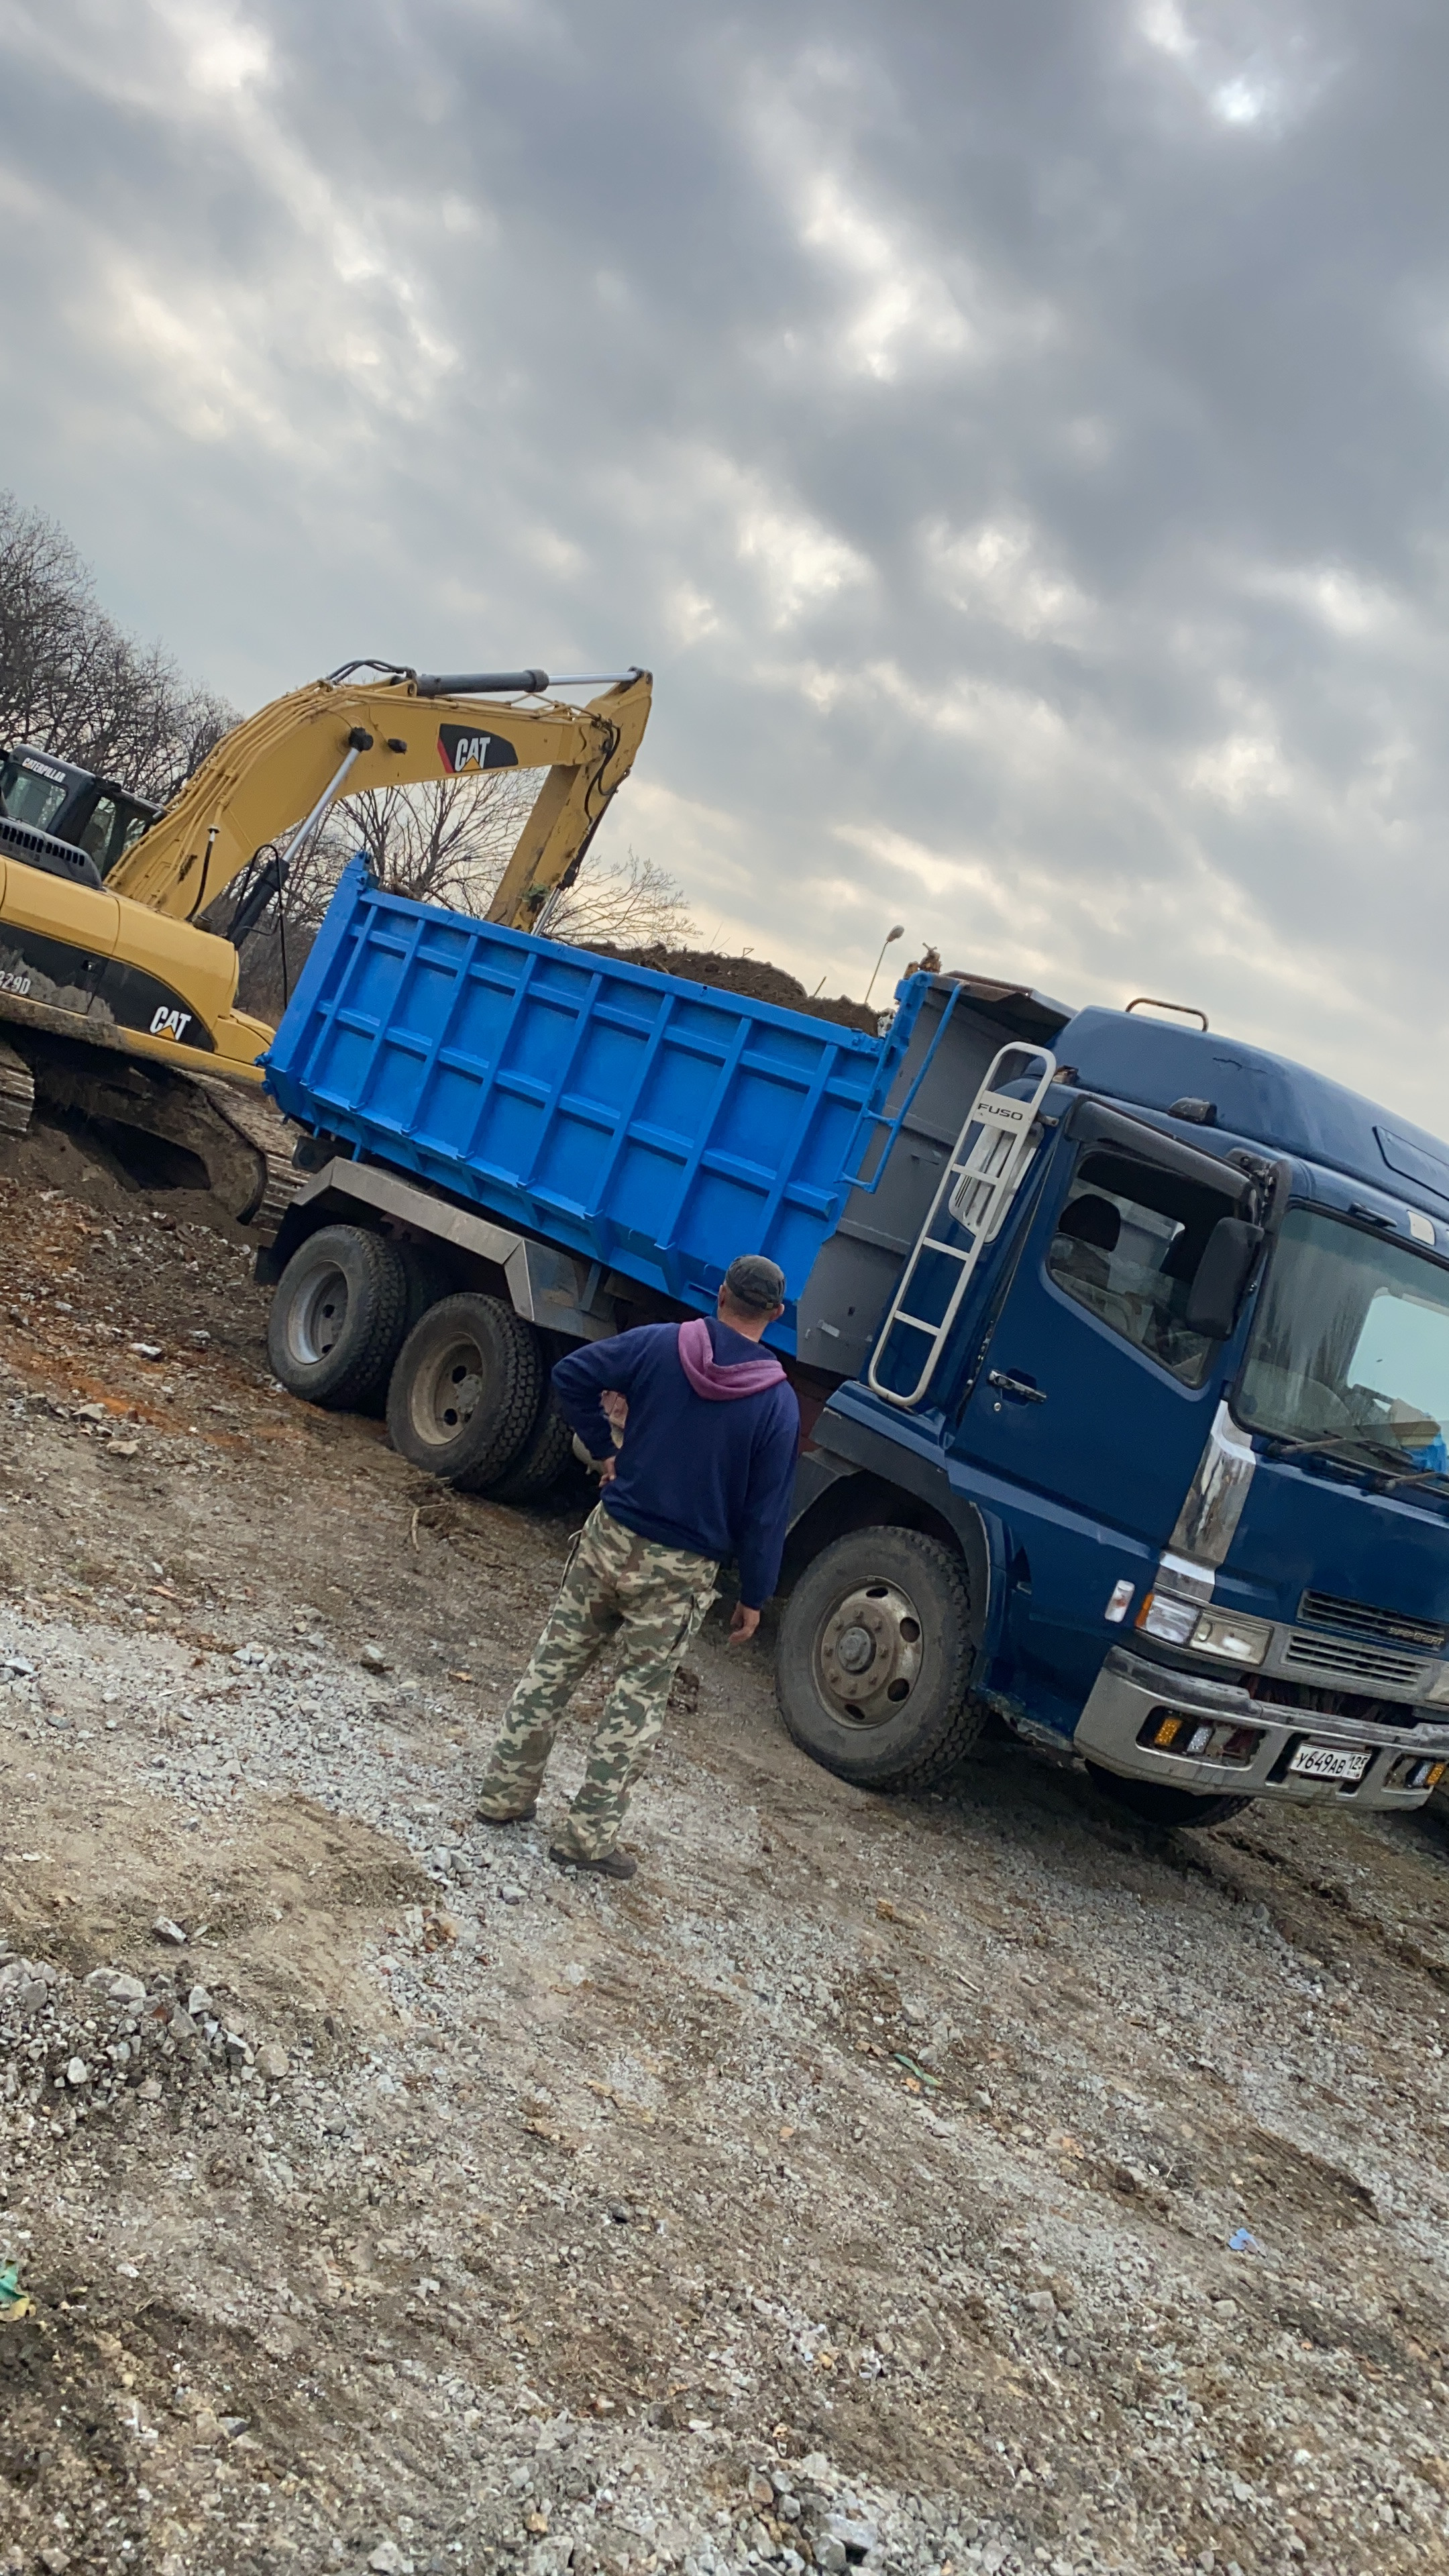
(870, 1668)
(338, 1317)
(466, 1390)
(1159, 1802)
(430, 1276)
(541, 1461)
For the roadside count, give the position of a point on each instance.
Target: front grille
(1402, 1676)
(1361, 1619)
(1285, 1699)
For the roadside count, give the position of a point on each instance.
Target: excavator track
(17, 1092)
(241, 1141)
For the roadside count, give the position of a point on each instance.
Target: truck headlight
(1238, 1641)
(1163, 1616)
(1206, 1632)
(1439, 1688)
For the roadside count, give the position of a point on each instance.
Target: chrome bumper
(1129, 1692)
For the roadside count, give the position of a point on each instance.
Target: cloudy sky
(1015, 436)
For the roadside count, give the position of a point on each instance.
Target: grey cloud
(1015, 438)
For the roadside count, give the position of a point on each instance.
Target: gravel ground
(971, 2183)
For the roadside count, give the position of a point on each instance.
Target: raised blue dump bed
(655, 1126)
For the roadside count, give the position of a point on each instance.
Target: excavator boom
(282, 767)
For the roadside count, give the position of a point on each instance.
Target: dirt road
(967, 2184)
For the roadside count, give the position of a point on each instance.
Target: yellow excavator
(117, 1006)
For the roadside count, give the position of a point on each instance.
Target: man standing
(704, 1473)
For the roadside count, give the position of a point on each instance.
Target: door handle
(1017, 1386)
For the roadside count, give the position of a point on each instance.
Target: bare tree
(446, 842)
(74, 683)
(633, 904)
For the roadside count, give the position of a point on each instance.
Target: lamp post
(891, 935)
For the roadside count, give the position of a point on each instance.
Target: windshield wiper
(1378, 1455)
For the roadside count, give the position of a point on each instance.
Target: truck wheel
(870, 1669)
(338, 1317)
(466, 1390)
(1158, 1802)
(540, 1462)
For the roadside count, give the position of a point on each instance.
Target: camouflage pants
(615, 1583)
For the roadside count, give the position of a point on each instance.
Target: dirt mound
(753, 976)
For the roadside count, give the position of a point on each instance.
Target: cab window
(27, 797)
(99, 831)
(1127, 1245)
(112, 829)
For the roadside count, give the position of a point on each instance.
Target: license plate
(1325, 1762)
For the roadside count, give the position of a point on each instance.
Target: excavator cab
(53, 801)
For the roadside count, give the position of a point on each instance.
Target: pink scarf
(718, 1380)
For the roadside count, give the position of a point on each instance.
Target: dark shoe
(612, 1864)
(520, 1816)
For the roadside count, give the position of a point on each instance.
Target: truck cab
(1172, 1413)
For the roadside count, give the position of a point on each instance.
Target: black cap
(755, 1282)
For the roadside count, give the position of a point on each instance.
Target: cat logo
(460, 749)
(170, 1024)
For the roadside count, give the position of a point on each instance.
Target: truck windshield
(1350, 1349)
(29, 797)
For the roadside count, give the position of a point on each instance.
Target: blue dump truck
(1122, 1348)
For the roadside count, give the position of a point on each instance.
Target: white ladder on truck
(976, 1188)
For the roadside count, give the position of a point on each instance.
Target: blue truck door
(1092, 1402)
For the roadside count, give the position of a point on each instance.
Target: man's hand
(607, 1468)
(743, 1625)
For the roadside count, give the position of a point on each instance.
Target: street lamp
(891, 935)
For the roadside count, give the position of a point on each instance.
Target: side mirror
(1222, 1275)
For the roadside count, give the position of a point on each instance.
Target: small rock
(274, 2062)
(387, 2559)
(198, 2003)
(373, 1660)
(510, 1896)
(147, 1351)
(856, 2541)
(116, 1986)
(121, 1448)
(166, 1930)
(77, 2074)
(150, 2091)
(57, 1718)
(1043, 2302)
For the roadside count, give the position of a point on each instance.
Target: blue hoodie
(713, 1478)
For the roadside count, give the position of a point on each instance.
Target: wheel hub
(868, 1653)
(447, 1396)
(319, 1317)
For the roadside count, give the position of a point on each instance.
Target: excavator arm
(277, 773)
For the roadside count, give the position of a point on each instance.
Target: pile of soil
(755, 977)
